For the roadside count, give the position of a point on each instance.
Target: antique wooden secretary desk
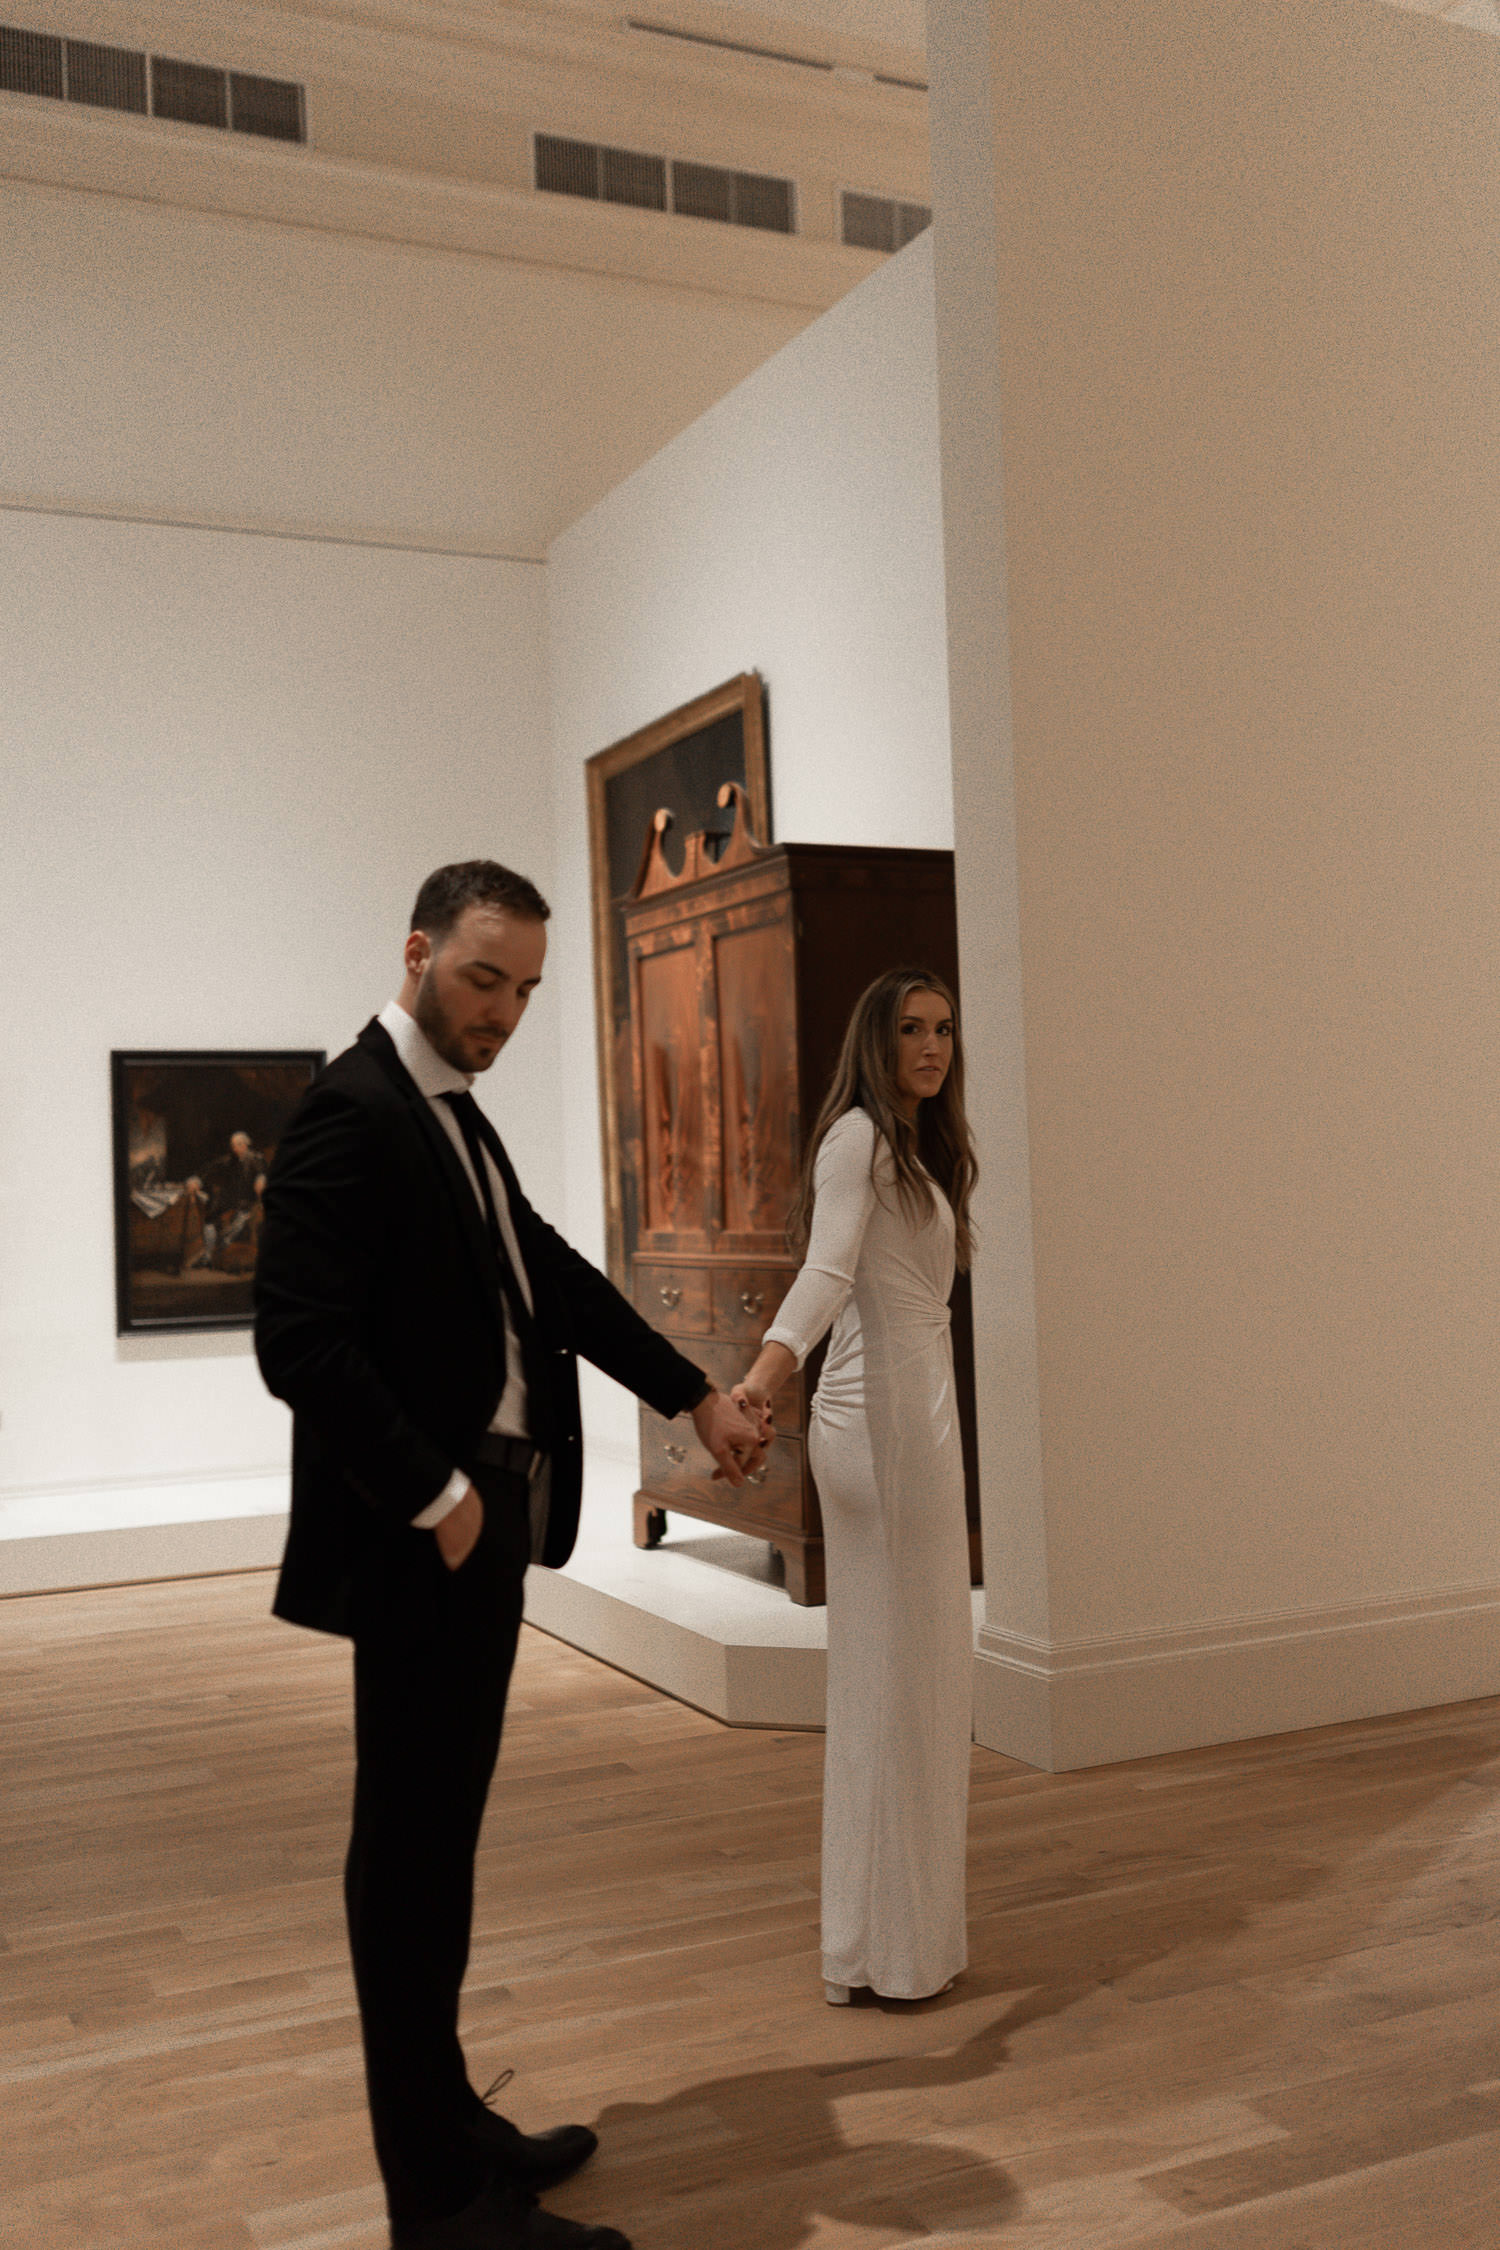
(742, 974)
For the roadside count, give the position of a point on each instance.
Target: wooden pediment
(740, 849)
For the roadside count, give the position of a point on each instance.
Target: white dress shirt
(435, 1077)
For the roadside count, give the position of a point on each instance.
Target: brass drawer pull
(677, 1453)
(752, 1301)
(671, 1295)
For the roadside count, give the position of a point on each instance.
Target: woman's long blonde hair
(939, 1146)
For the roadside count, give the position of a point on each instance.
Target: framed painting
(678, 764)
(194, 1134)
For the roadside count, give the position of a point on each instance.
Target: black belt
(516, 1454)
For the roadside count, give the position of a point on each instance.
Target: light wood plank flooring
(1240, 1999)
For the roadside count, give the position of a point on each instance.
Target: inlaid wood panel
(760, 1134)
(669, 1063)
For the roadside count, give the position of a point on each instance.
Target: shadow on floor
(763, 2158)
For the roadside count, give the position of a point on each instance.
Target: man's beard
(434, 1019)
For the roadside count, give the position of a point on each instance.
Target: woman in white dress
(884, 1210)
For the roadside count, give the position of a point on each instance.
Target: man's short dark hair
(450, 891)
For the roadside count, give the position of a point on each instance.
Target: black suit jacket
(378, 1319)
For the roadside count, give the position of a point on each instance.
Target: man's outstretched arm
(612, 1336)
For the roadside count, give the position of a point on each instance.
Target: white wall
(794, 530)
(1227, 672)
(226, 761)
(228, 755)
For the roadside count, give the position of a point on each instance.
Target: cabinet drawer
(746, 1298)
(675, 1468)
(676, 1298)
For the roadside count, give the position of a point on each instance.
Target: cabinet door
(759, 1126)
(669, 1071)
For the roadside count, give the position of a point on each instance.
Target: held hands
(736, 1439)
(761, 1382)
(752, 1397)
(758, 1407)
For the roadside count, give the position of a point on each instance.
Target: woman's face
(924, 1048)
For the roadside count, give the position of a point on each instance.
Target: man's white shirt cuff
(445, 1503)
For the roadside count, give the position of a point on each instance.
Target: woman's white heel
(837, 1995)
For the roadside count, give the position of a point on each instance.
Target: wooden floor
(1241, 1999)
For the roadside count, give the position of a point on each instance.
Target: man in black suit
(422, 1322)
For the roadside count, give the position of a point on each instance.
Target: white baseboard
(118, 1534)
(68, 1560)
(1063, 1705)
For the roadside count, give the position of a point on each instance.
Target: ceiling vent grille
(106, 77)
(272, 107)
(76, 70)
(189, 93)
(626, 177)
(31, 63)
(693, 191)
(875, 222)
(604, 175)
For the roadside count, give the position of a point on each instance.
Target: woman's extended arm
(844, 1196)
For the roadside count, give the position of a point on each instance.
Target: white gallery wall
(1224, 694)
(794, 530)
(225, 763)
(1218, 312)
(274, 500)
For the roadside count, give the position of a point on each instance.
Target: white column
(1218, 294)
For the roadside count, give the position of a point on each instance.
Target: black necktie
(466, 1110)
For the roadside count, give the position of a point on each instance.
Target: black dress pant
(433, 1651)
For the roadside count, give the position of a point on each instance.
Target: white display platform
(112, 1535)
(702, 1617)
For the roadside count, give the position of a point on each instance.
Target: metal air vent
(78, 70)
(272, 107)
(626, 177)
(31, 62)
(190, 93)
(698, 191)
(107, 77)
(876, 222)
(604, 175)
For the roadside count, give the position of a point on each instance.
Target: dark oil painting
(194, 1135)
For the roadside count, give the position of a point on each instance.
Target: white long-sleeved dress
(885, 1449)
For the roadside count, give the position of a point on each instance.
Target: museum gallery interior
(1024, 482)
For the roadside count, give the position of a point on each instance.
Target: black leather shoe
(536, 2160)
(504, 2217)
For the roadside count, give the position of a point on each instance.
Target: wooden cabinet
(741, 982)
